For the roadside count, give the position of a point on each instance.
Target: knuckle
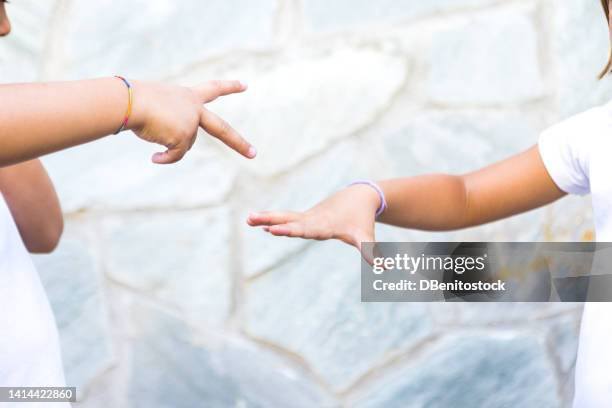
(224, 128)
(195, 118)
(186, 92)
(183, 146)
(190, 96)
(244, 145)
(216, 85)
(178, 155)
(172, 141)
(193, 97)
(184, 135)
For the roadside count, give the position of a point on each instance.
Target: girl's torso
(29, 346)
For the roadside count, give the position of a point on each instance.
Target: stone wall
(164, 297)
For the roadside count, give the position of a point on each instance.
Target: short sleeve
(565, 150)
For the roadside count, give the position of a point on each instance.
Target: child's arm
(36, 119)
(431, 202)
(31, 198)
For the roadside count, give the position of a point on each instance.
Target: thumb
(211, 90)
(172, 155)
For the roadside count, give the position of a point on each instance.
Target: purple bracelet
(383, 202)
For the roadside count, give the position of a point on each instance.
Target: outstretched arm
(443, 202)
(41, 118)
(33, 203)
(431, 202)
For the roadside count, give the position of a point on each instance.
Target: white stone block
(22, 52)
(322, 15)
(151, 37)
(171, 367)
(476, 370)
(488, 58)
(74, 285)
(311, 305)
(296, 109)
(116, 173)
(580, 46)
(179, 259)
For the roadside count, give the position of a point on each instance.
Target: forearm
(33, 202)
(432, 202)
(41, 118)
(444, 202)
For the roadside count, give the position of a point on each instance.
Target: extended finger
(271, 218)
(217, 127)
(291, 229)
(211, 90)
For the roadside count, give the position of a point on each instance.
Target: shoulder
(585, 125)
(567, 147)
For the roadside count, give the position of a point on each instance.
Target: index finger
(211, 90)
(217, 127)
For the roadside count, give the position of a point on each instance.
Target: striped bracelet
(383, 202)
(129, 108)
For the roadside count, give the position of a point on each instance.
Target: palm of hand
(347, 216)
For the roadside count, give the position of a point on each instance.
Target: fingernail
(252, 152)
(244, 85)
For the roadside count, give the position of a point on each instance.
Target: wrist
(370, 196)
(130, 102)
(137, 119)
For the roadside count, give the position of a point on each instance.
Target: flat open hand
(348, 216)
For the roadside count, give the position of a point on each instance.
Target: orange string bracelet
(129, 108)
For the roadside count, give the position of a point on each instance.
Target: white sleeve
(565, 150)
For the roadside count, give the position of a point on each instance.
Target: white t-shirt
(29, 346)
(577, 155)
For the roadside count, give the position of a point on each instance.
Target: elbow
(47, 238)
(466, 218)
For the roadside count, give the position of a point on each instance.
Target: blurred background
(165, 298)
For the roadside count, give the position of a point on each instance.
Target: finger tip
(244, 85)
(252, 152)
(253, 222)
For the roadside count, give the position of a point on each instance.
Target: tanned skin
(37, 119)
(435, 202)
